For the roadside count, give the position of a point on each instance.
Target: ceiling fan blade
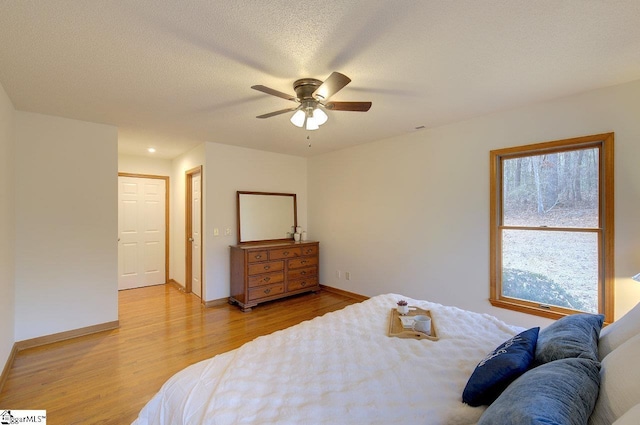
(348, 106)
(273, 114)
(273, 92)
(331, 86)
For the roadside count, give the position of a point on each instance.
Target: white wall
(66, 219)
(411, 214)
(228, 170)
(7, 227)
(179, 166)
(144, 165)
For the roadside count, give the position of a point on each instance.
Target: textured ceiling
(174, 74)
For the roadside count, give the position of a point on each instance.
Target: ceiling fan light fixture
(309, 115)
(311, 124)
(298, 118)
(320, 116)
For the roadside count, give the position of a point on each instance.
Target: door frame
(166, 214)
(188, 219)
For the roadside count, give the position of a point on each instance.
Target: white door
(196, 234)
(141, 232)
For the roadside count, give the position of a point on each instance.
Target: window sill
(549, 313)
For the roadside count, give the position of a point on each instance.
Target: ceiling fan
(313, 97)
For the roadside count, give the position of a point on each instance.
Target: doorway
(193, 231)
(143, 230)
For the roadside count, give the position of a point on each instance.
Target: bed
(343, 368)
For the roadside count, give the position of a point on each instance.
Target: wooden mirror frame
(238, 207)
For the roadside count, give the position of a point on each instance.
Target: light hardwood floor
(107, 377)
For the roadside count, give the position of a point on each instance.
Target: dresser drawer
(254, 256)
(272, 266)
(310, 250)
(296, 284)
(266, 291)
(265, 279)
(296, 263)
(278, 254)
(303, 273)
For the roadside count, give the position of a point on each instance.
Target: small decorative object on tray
(402, 326)
(403, 307)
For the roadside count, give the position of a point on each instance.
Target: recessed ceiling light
(151, 150)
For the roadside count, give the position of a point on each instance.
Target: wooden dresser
(265, 272)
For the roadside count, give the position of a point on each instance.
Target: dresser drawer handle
(267, 279)
(303, 283)
(267, 267)
(309, 251)
(257, 257)
(303, 262)
(266, 291)
(303, 273)
(285, 253)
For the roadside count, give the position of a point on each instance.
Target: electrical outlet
(216, 231)
(347, 275)
(227, 231)
(338, 274)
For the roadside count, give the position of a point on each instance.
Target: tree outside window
(552, 227)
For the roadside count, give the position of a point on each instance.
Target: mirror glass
(264, 216)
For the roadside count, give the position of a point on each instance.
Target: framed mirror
(266, 216)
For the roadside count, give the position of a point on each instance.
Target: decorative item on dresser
(265, 272)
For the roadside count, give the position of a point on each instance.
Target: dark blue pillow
(571, 336)
(496, 371)
(560, 392)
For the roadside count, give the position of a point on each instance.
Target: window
(552, 227)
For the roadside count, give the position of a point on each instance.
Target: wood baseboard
(207, 304)
(216, 303)
(49, 339)
(176, 285)
(7, 366)
(351, 295)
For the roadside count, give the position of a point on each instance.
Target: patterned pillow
(500, 367)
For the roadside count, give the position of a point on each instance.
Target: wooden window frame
(605, 229)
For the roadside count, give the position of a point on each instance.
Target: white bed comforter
(340, 368)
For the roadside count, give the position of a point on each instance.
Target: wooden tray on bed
(396, 329)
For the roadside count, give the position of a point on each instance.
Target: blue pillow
(560, 392)
(498, 369)
(570, 336)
